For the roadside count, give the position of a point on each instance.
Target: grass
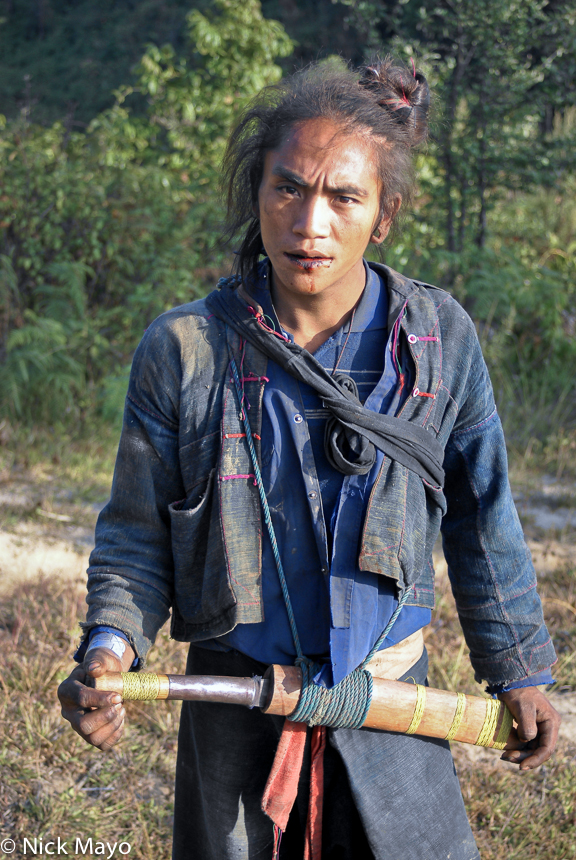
(52, 784)
(522, 817)
(59, 457)
(514, 816)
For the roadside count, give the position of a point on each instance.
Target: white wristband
(107, 640)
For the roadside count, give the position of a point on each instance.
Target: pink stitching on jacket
(233, 477)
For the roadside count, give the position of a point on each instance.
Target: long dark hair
(385, 99)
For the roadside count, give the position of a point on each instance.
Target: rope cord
(493, 707)
(345, 705)
(458, 715)
(505, 729)
(388, 628)
(266, 509)
(418, 710)
(493, 710)
(140, 687)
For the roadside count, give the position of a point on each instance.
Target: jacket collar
(400, 289)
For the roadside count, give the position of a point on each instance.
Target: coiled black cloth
(352, 432)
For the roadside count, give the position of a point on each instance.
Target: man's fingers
(528, 758)
(101, 728)
(547, 738)
(105, 733)
(525, 714)
(538, 726)
(93, 721)
(96, 715)
(109, 742)
(75, 694)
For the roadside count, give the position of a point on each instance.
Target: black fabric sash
(350, 446)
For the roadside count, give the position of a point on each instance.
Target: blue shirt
(318, 513)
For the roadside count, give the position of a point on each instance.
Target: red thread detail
(435, 339)
(240, 436)
(424, 394)
(253, 378)
(261, 322)
(233, 477)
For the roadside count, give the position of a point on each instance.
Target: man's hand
(98, 717)
(538, 724)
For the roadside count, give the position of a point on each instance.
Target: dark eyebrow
(289, 176)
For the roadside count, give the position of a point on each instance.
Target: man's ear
(383, 227)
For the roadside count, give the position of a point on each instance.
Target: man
(374, 422)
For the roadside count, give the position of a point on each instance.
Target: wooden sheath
(392, 706)
(396, 706)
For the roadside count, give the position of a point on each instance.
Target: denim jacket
(182, 530)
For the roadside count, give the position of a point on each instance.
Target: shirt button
(298, 418)
(352, 493)
(323, 570)
(412, 338)
(312, 495)
(416, 392)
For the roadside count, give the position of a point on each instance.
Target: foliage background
(108, 206)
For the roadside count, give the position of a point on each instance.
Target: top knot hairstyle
(384, 100)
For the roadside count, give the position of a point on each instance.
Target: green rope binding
(346, 705)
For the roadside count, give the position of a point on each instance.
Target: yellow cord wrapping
(493, 707)
(505, 729)
(144, 686)
(458, 715)
(418, 710)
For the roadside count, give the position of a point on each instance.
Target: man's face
(318, 205)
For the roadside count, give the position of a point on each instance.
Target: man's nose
(313, 219)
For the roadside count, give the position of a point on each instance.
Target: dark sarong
(387, 796)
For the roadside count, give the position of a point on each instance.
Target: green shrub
(102, 231)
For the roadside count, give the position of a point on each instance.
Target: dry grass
(52, 784)
(514, 815)
(54, 458)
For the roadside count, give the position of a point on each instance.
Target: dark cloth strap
(351, 444)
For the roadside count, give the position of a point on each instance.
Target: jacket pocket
(202, 592)
(424, 508)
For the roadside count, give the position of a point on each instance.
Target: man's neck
(311, 320)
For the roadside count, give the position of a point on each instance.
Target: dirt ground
(46, 530)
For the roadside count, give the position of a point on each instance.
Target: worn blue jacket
(182, 531)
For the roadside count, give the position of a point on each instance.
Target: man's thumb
(94, 666)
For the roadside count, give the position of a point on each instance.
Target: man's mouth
(305, 261)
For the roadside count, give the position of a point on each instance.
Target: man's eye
(346, 200)
(288, 189)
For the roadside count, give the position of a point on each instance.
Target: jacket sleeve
(131, 568)
(489, 563)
